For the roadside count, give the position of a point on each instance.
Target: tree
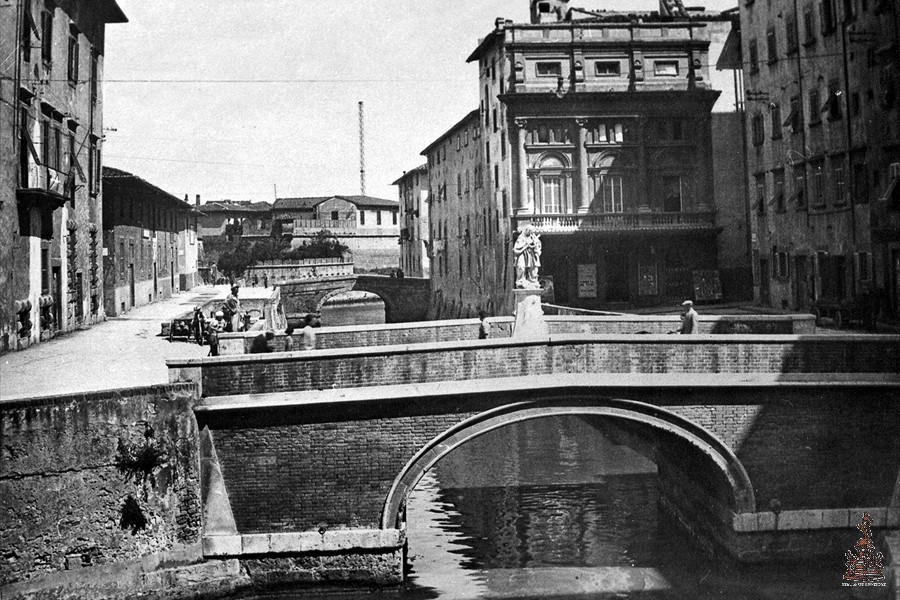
(324, 245)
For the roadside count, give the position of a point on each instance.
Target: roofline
(168, 197)
(489, 39)
(446, 134)
(420, 168)
(113, 13)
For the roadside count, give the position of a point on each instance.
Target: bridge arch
(352, 288)
(741, 489)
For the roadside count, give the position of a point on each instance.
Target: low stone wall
(355, 336)
(493, 358)
(97, 479)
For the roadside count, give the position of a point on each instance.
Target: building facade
(150, 240)
(368, 225)
(596, 130)
(823, 119)
(51, 127)
(232, 219)
(414, 225)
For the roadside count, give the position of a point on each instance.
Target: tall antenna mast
(362, 151)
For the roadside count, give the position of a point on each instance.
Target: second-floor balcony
(43, 187)
(335, 226)
(619, 222)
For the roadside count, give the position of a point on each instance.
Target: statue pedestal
(530, 323)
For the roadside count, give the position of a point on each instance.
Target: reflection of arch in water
(334, 294)
(742, 498)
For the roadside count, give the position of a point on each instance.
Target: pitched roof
(117, 179)
(419, 169)
(236, 207)
(471, 116)
(311, 202)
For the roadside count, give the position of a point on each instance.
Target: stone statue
(528, 259)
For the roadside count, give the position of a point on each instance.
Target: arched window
(611, 179)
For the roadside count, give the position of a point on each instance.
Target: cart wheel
(839, 319)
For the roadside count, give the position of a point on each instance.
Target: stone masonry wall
(486, 359)
(96, 479)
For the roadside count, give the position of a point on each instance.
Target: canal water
(552, 508)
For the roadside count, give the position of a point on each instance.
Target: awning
(730, 58)
(30, 18)
(831, 104)
(796, 197)
(78, 168)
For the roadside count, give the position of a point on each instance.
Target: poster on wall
(587, 280)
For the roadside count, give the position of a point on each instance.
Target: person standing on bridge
(690, 322)
(309, 336)
(232, 310)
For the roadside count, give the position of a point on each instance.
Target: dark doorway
(155, 282)
(765, 294)
(131, 291)
(57, 297)
(803, 288)
(79, 297)
(616, 277)
(172, 275)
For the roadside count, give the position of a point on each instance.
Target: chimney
(197, 201)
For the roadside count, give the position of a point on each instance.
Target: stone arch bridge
(767, 447)
(405, 299)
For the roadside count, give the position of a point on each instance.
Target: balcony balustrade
(618, 222)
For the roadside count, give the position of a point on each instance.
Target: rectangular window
(551, 195)
(833, 105)
(95, 63)
(864, 266)
(611, 189)
(335, 215)
(826, 12)
(496, 177)
(394, 217)
(761, 198)
(771, 46)
(496, 122)
(757, 130)
(608, 68)
(665, 68)
(794, 120)
(809, 26)
(778, 183)
(73, 56)
(815, 107)
(818, 185)
(47, 36)
(25, 36)
(776, 121)
(753, 52)
(548, 69)
(378, 217)
(362, 217)
(840, 186)
(790, 30)
(800, 185)
(96, 167)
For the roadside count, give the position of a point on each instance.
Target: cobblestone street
(121, 352)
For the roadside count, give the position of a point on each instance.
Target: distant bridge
(405, 299)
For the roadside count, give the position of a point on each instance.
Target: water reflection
(552, 508)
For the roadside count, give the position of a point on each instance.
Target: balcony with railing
(301, 227)
(619, 222)
(42, 187)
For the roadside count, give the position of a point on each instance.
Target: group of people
(266, 342)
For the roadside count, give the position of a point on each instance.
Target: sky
(238, 99)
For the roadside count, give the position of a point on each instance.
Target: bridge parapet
(355, 336)
(567, 353)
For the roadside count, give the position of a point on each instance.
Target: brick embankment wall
(487, 359)
(501, 327)
(97, 479)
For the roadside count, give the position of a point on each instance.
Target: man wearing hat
(232, 310)
(198, 324)
(690, 321)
